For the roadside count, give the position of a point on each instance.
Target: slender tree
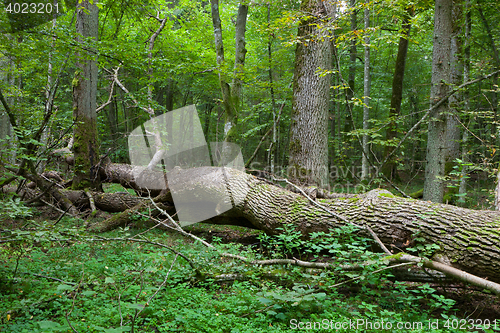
(309, 126)
(389, 169)
(272, 148)
(366, 102)
(85, 147)
(231, 94)
(351, 80)
(456, 78)
(465, 136)
(496, 61)
(436, 145)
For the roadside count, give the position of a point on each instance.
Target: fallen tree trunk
(124, 174)
(109, 202)
(468, 239)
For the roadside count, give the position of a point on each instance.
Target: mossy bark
(308, 161)
(85, 147)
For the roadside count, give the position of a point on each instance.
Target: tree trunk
(272, 148)
(5, 126)
(6, 129)
(389, 169)
(496, 61)
(308, 147)
(239, 57)
(230, 95)
(151, 46)
(85, 147)
(351, 80)
(467, 239)
(462, 191)
(113, 122)
(366, 97)
(456, 79)
(436, 145)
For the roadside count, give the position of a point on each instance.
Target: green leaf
(264, 300)
(117, 330)
(47, 324)
(281, 316)
(62, 287)
(136, 306)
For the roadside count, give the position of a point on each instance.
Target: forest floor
(59, 273)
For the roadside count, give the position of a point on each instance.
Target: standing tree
(389, 169)
(465, 136)
(231, 94)
(366, 97)
(436, 142)
(85, 146)
(456, 78)
(309, 127)
(351, 80)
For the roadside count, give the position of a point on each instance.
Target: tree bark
(436, 145)
(456, 78)
(273, 152)
(240, 53)
(389, 169)
(308, 147)
(230, 95)
(496, 62)
(86, 147)
(467, 239)
(462, 191)
(366, 95)
(351, 80)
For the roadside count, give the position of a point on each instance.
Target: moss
(451, 195)
(85, 150)
(394, 256)
(75, 82)
(233, 134)
(418, 194)
(387, 195)
(295, 208)
(295, 147)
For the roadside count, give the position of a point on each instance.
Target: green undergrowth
(61, 279)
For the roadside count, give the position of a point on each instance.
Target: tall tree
(456, 78)
(309, 127)
(231, 94)
(496, 62)
(351, 80)
(366, 93)
(272, 148)
(436, 142)
(465, 136)
(5, 125)
(86, 146)
(389, 169)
